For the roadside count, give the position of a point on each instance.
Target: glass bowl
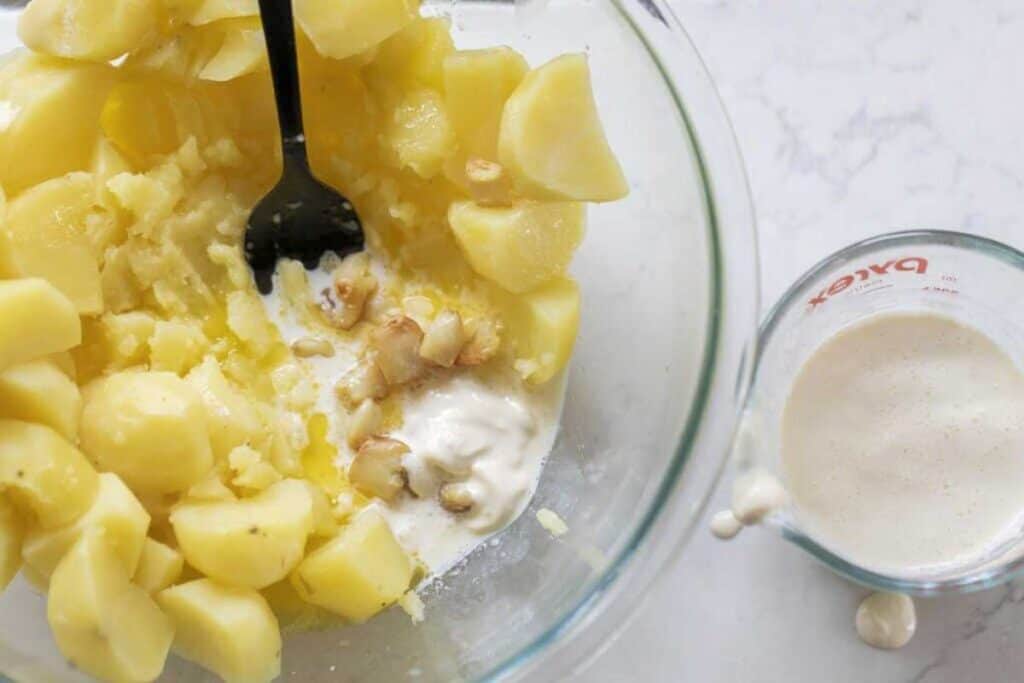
(971, 279)
(669, 278)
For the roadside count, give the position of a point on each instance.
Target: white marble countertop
(854, 118)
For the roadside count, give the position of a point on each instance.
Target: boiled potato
(176, 346)
(159, 566)
(9, 267)
(116, 511)
(413, 57)
(106, 626)
(208, 11)
(551, 138)
(65, 363)
(420, 134)
(149, 428)
(93, 30)
(252, 542)
(242, 51)
(229, 630)
(147, 118)
(50, 225)
(37, 320)
(231, 417)
(342, 29)
(39, 391)
(41, 141)
(476, 85)
(518, 247)
(359, 572)
(544, 323)
(12, 530)
(44, 474)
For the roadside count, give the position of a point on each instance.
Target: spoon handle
(279, 32)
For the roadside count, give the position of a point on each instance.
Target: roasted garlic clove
(444, 339)
(483, 343)
(376, 469)
(397, 343)
(307, 347)
(364, 380)
(344, 303)
(364, 423)
(455, 497)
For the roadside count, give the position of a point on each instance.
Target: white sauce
(755, 494)
(886, 620)
(491, 433)
(903, 444)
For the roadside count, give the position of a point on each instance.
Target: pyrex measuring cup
(973, 279)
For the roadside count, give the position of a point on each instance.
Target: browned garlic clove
(397, 343)
(444, 339)
(377, 469)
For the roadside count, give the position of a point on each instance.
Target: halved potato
(106, 626)
(519, 247)
(252, 542)
(149, 428)
(43, 474)
(39, 391)
(36, 319)
(551, 138)
(116, 511)
(359, 572)
(229, 630)
(92, 30)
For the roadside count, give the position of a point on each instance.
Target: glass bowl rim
(795, 296)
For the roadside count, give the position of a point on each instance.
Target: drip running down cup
(955, 301)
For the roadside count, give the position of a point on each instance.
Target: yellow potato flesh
(231, 416)
(228, 630)
(92, 30)
(544, 324)
(116, 511)
(159, 566)
(343, 29)
(358, 573)
(50, 226)
(9, 267)
(149, 428)
(518, 247)
(551, 138)
(12, 530)
(43, 474)
(37, 320)
(208, 11)
(105, 626)
(39, 391)
(252, 542)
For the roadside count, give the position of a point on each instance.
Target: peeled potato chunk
(359, 572)
(39, 391)
(116, 511)
(252, 542)
(233, 420)
(12, 530)
(342, 29)
(9, 267)
(476, 85)
(551, 138)
(149, 428)
(544, 324)
(159, 566)
(92, 30)
(208, 11)
(35, 320)
(229, 630)
(105, 625)
(44, 474)
(518, 247)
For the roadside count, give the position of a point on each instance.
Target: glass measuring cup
(972, 279)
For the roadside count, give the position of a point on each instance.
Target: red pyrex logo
(910, 264)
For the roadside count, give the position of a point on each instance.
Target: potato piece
(518, 247)
(91, 30)
(251, 542)
(233, 420)
(242, 51)
(115, 510)
(551, 138)
(544, 324)
(65, 363)
(359, 572)
(149, 428)
(147, 118)
(324, 524)
(41, 141)
(476, 85)
(176, 346)
(44, 474)
(37, 320)
(12, 530)
(159, 566)
(208, 11)
(343, 29)
(413, 56)
(38, 391)
(229, 630)
(49, 226)
(9, 267)
(420, 134)
(106, 626)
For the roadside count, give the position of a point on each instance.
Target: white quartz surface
(855, 118)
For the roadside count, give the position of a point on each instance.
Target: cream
(886, 620)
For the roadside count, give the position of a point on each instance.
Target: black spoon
(300, 218)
